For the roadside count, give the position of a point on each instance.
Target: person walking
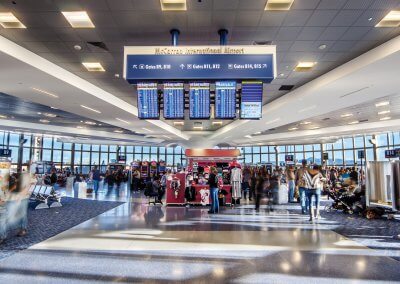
(300, 183)
(314, 183)
(290, 179)
(96, 179)
(261, 184)
(213, 184)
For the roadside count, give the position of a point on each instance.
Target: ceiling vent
(363, 120)
(326, 118)
(99, 44)
(286, 87)
(262, 42)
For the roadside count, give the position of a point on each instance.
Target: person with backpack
(213, 184)
(314, 182)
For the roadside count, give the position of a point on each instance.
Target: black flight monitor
(251, 102)
(199, 101)
(174, 101)
(225, 100)
(148, 101)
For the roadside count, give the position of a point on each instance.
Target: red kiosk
(203, 159)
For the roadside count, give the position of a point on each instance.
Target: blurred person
(53, 177)
(290, 179)
(300, 183)
(95, 177)
(252, 183)
(157, 188)
(135, 179)
(213, 184)
(245, 183)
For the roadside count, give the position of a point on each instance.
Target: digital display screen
(199, 101)
(148, 101)
(174, 101)
(251, 102)
(225, 99)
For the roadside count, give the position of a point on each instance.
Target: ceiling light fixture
(315, 127)
(173, 5)
(391, 20)
(166, 136)
(305, 122)
(44, 92)
(93, 66)
(322, 46)
(198, 127)
(77, 47)
(346, 115)
(278, 5)
(90, 122)
(384, 112)
(293, 128)
(148, 130)
(44, 120)
(91, 109)
(257, 133)
(217, 122)
(118, 131)
(80, 127)
(78, 19)
(3, 116)
(179, 123)
(124, 121)
(381, 104)
(248, 136)
(354, 122)
(53, 108)
(304, 66)
(49, 114)
(9, 21)
(385, 118)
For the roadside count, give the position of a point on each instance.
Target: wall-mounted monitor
(148, 107)
(174, 101)
(251, 100)
(199, 100)
(225, 99)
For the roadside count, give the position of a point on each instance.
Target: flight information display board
(225, 99)
(148, 101)
(251, 102)
(199, 101)
(174, 101)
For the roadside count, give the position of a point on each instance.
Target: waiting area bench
(45, 196)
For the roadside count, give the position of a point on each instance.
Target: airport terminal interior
(200, 141)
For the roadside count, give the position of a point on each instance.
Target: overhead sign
(394, 153)
(251, 101)
(361, 154)
(174, 101)
(5, 153)
(289, 158)
(199, 63)
(199, 101)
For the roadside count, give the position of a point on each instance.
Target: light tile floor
(139, 243)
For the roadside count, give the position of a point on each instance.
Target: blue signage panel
(251, 102)
(148, 100)
(225, 99)
(174, 101)
(200, 67)
(199, 101)
(5, 153)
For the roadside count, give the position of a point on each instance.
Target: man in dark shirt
(96, 179)
(213, 184)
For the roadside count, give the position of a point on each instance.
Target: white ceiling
(343, 25)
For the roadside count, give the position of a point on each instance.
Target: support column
(174, 36)
(223, 34)
(20, 153)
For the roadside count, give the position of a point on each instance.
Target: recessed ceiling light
(248, 136)
(304, 66)
(385, 118)
(354, 122)
(278, 5)
(146, 129)
(173, 5)
(78, 19)
(53, 107)
(314, 127)
(9, 21)
(93, 66)
(49, 114)
(44, 92)
(346, 115)
(116, 75)
(391, 20)
(322, 46)
(80, 127)
(370, 19)
(124, 121)
(91, 109)
(44, 120)
(282, 74)
(257, 133)
(77, 47)
(381, 104)
(384, 112)
(90, 122)
(217, 122)
(3, 116)
(293, 128)
(167, 137)
(198, 127)
(305, 122)
(176, 123)
(118, 131)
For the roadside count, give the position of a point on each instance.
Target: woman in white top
(313, 180)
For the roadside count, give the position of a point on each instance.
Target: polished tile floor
(139, 243)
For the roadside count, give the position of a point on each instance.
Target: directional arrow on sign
(182, 66)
